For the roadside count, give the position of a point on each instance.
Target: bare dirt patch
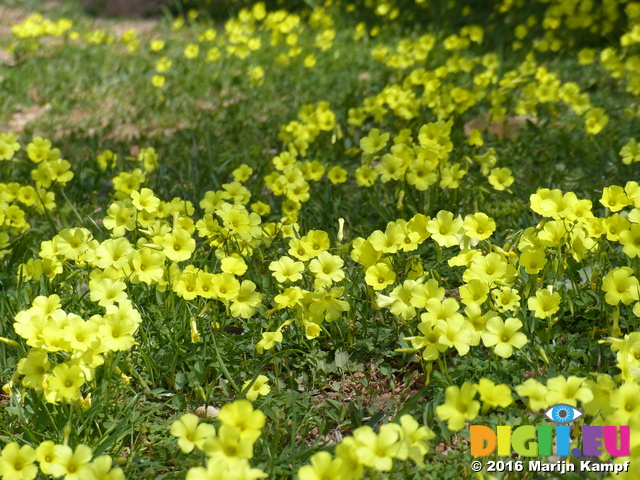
(24, 116)
(10, 17)
(372, 391)
(140, 26)
(507, 128)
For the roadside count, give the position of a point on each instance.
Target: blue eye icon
(562, 413)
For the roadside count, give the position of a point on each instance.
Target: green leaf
(342, 358)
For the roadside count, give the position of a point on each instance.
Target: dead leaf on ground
(507, 128)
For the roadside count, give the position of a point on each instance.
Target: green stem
(223, 366)
(442, 363)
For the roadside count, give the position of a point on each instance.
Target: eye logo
(562, 413)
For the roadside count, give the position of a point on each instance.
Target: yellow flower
(242, 416)
(625, 402)
(118, 327)
(602, 388)
(545, 304)
(178, 245)
(326, 305)
(322, 466)
(81, 335)
(327, 269)
(378, 450)
(493, 395)
(366, 176)
(488, 269)
(157, 45)
(8, 145)
(630, 153)
(209, 35)
(536, 392)
(65, 381)
(261, 208)
(620, 286)
(312, 170)
(479, 225)
(242, 173)
(158, 81)
(505, 299)
(379, 276)
(234, 265)
(219, 468)
(149, 158)
(107, 291)
(259, 387)
(474, 292)
(451, 176)
(429, 340)
(614, 225)
(46, 457)
(387, 241)
(632, 189)
(195, 334)
(503, 336)
(225, 286)
(444, 228)
(416, 438)
(614, 198)
(630, 239)
(17, 463)
(38, 150)
(567, 390)
(268, 341)
(533, 260)
(148, 266)
(191, 434)
(256, 75)
(421, 173)
(102, 470)
(456, 332)
(230, 445)
(34, 368)
(163, 65)
(191, 51)
(300, 250)
(595, 120)
(475, 138)
(586, 56)
(120, 218)
(501, 178)
(246, 301)
(459, 406)
(442, 309)
(286, 269)
(347, 452)
(310, 60)
(374, 142)
(337, 175)
(478, 321)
